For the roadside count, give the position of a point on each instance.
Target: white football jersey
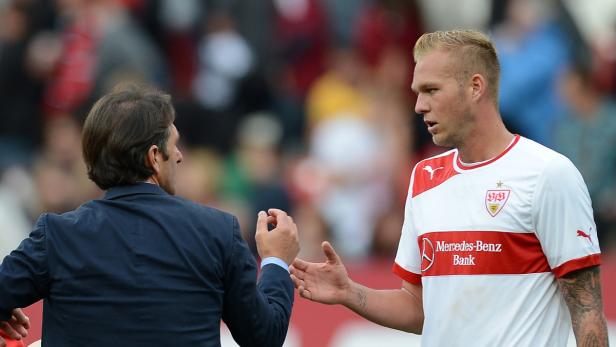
(487, 242)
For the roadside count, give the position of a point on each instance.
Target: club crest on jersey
(496, 200)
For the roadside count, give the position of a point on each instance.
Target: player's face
(442, 99)
(169, 167)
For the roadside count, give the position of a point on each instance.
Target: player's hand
(327, 282)
(16, 328)
(282, 241)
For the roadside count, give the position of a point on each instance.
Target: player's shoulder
(549, 164)
(432, 172)
(442, 159)
(534, 152)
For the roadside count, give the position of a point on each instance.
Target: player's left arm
(582, 292)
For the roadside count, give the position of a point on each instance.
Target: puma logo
(580, 233)
(431, 171)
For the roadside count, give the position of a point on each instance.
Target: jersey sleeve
(408, 259)
(563, 218)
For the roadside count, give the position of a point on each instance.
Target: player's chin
(440, 140)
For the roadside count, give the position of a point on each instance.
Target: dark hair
(119, 130)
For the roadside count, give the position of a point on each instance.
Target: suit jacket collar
(137, 188)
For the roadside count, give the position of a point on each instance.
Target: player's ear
(478, 86)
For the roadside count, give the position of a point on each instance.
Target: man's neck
(487, 142)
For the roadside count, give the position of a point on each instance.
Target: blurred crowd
(303, 105)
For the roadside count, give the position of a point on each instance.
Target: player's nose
(421, 106)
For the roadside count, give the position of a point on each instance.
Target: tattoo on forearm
(582, 293)
(592, 340)
(361, 298)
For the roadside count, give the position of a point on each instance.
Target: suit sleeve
(257, 313)
(24, 274)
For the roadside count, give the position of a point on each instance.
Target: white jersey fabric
(488, 241)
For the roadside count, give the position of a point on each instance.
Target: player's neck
(485, 143)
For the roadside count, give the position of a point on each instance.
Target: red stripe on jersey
(408, 276)
(432, 172)
(463, 166)
(481, 253)
(577, 264)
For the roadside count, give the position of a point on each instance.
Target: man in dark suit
(142, 267)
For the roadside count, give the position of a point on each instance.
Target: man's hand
(281, 242)
(16, 328)
(327, 283)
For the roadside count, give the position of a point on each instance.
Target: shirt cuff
(275, 261)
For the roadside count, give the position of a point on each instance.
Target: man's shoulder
(546, 164)
(97, 209)
(433, 171)
(442, 159)
(534, 152)
(196, 207)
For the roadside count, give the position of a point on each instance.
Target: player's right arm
(329, 283)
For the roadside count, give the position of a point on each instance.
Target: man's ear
(479, 86)
(153, 158)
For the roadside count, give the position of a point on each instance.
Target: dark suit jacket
(144, 268)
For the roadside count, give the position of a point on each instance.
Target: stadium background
(303, 105)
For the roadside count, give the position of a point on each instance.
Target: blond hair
(473, 51)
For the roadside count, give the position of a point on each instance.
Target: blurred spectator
(338, 90)
(226, 86)
(60, 173)
(302, 45)
(533, 52)
(225, 58)
(386, 24)
(391, 111)
(347, 149)
(201, 176)
(343, 16)
(20, 119)
(252, 179)
(256, 22)
(179, 23)
(101, 46)
(447, 14)
(385, 35)
(587, 136)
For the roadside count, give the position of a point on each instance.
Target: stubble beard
(459, 135)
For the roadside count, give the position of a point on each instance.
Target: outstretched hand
(327, 282)
(16, 328)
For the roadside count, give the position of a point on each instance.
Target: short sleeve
(563, 218)
(408, 259)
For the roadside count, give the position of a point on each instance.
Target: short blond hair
(473, 50)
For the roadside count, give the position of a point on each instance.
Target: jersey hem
(577, 264)
(408, 276)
